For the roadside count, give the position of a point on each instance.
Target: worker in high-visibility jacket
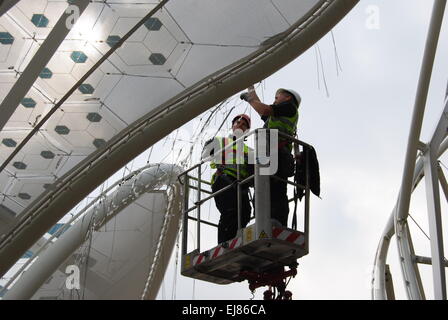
(226, 163)
(282, 115)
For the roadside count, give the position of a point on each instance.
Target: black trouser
(227, 204)
(279, 196)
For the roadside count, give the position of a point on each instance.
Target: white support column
(389, 284)
(419, 107)
(263, 224)
(37, 63)
(378, 274)
(379, 290)
(435, 225)
(404, 242)
(434, 208)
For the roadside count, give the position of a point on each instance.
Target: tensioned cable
(443, 165)
(419, 226)
(149, 155)
(224, 121)
(422, 231)
(280, 13)
(219, 45)
(137, 75)
(101, 12)
(317, 68)
(323, 71)
(336, 55)
(81, 81)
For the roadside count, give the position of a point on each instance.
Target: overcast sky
(360, 133)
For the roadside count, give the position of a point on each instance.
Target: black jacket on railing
(300, 175)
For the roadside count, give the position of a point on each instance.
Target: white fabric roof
(177, 47)
(186, 57)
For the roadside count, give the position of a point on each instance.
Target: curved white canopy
(186, 57)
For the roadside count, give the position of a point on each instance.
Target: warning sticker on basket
(187, 262)
(248, 232)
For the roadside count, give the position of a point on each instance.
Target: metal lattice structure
(421, 162)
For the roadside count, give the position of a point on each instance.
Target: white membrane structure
(123, 251)
(86, 86)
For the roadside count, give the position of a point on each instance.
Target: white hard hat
(294, 93)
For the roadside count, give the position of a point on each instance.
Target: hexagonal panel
(28, 103)
(9, 142)
(78, 57)
(86, 88)
(39, 20)
(62, 130)
(19, 165)
(47, 186)
(153, 24)
(46, 74)
(112, 40)
(99, 143)
(47, 154)
(6, 38)
(11, 46)
(24, 196)
(94, 117)
(157, 59)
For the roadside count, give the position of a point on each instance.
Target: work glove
(245, 96)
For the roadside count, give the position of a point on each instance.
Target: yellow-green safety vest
(286, 125)
(229, 161)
